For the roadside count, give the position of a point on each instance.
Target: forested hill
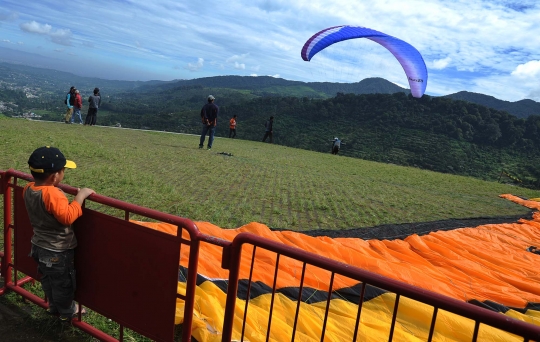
(434, 133)
(272, 86)
(521, 109)
(49, 85)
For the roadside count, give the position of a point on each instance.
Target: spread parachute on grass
(410, 59)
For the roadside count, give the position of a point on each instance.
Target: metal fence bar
(9, 180)
(438, 301)
(300, 290)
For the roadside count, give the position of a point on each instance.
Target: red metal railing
(103, 245)
(233, 254)
(88, 226)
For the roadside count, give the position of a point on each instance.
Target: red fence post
(6, 259)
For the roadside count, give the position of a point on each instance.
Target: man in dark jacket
(209, 114)
(269, 129)
(94, 102)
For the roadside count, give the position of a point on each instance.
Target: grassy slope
(276, 185)
(281, 186)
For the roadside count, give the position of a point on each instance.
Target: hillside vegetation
(433, 133)
(280, 186)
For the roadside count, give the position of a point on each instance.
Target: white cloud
(35, 27)
(253, 75)
(20, 43)
(196, 66)
(441, 63)
(59, 36)
(6, 41)
(62, 37)
(275, 76)
(529, 69)
(237, 58)
(475, 45)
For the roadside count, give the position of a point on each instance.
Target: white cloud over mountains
(58, 36)
(476, 45)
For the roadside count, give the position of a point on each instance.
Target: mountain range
(58, 82)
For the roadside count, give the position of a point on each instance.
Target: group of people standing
(209, 114)
(73, 102)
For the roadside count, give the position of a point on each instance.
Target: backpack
(71, 98)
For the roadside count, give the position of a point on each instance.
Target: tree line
(435, 133)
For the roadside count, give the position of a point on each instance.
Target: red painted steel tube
(360, 303)
(300, 290)
(90, 330)
(494, 319)
(6, 260)
(30, 296)
(233, 254)
(394, 317)
(273, 298)
(328, 299)
(432, 326)
(191, 228)
(248, 295)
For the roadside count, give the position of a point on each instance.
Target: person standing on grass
(52, 216)
(269, 129)
(232, 127)
(77, 105)
(69, 101)
(336, 145)
(209, 114)
(94, 101)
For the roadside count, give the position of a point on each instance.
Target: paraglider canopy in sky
(410, 59)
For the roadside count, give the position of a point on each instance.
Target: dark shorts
(58, 278)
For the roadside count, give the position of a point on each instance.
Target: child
(232, 126)
(51, 216)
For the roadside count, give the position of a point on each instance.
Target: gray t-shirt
(95, 101)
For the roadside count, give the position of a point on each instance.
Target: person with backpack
(69, 101)
(209, 114)
(269, 129)
(94, 102)
(77, 105)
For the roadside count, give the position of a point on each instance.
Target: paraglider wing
(410, 59)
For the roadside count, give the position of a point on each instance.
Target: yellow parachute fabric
(485, 263)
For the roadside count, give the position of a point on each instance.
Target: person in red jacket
(77, 105)
(232, 127)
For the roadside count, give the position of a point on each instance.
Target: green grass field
(280, 186)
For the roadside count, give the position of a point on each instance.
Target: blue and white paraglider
(410, 59)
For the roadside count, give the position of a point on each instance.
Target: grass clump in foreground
(280, 186)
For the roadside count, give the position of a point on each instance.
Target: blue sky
(489, 47)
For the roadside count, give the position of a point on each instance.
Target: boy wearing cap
(51, 216)
(209, 113)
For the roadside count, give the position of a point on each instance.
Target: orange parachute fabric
(485, 263)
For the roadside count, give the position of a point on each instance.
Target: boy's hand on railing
(82, 194)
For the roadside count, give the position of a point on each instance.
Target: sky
(484, 46)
